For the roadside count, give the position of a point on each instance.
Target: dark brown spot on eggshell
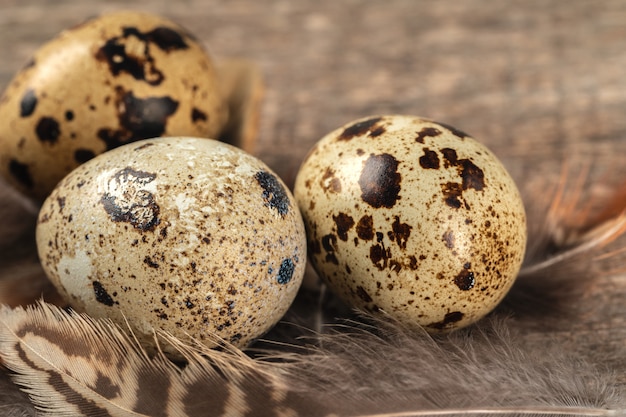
(139, 67)
(21, 173)
(379, 130)
(128, 200)
(452, 193)
(363, 295)
(380, 181)
(448, 320)
(314, 247)
(28, 103)
(450, 157)
(361, 128)
(400, 232)
(48, 130)
(285, 272)
(152, 264)
(465, 280)
(198, 115)
(329, 182)
(427, 132)
(365, 228)
(144, 146)
(139, 118)
(274, 194)
(139, 62)
(380, 256)
(329, 243)
(344, 224)
(167, 39)
(430, 159)
(473, 177)
(448, 238)
(102, 296)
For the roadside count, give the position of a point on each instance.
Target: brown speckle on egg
(285, 273)
(430, 159)
(28, 103)
(363, 295)
(48, 130)
(449, 320)
(21, 173)
(101, 295)
(274, 194)
(198, 115)
(425, 220)
(360, 128)
(344, 224)
(400, 232)
(465, 280)
(129, 201)
(365, 228)
(141, 66)
(427, 132)
(138, 118)
(380, 181)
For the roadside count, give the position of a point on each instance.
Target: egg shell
(114, 79)
(187, 235)
(413, 218)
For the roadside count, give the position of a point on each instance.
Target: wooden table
(542, 83)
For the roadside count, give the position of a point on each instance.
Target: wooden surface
(540, 82)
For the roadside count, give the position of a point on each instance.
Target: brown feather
(385, 368)
(568, 246)
(73, 365)
(22, 280)
(13, 402)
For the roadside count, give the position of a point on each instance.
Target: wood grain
(540, 82)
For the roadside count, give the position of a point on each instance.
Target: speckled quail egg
(191, 236)
(115, 79)
(413, 218)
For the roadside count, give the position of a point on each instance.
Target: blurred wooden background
(540, 82)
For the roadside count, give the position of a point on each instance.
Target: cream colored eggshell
(114, 79)
(412, 217)
(187, 235)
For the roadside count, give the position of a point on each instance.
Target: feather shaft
(597, 238)
(509, 411)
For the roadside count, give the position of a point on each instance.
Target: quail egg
(413, 218)
(114, 79)
(188, 235)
